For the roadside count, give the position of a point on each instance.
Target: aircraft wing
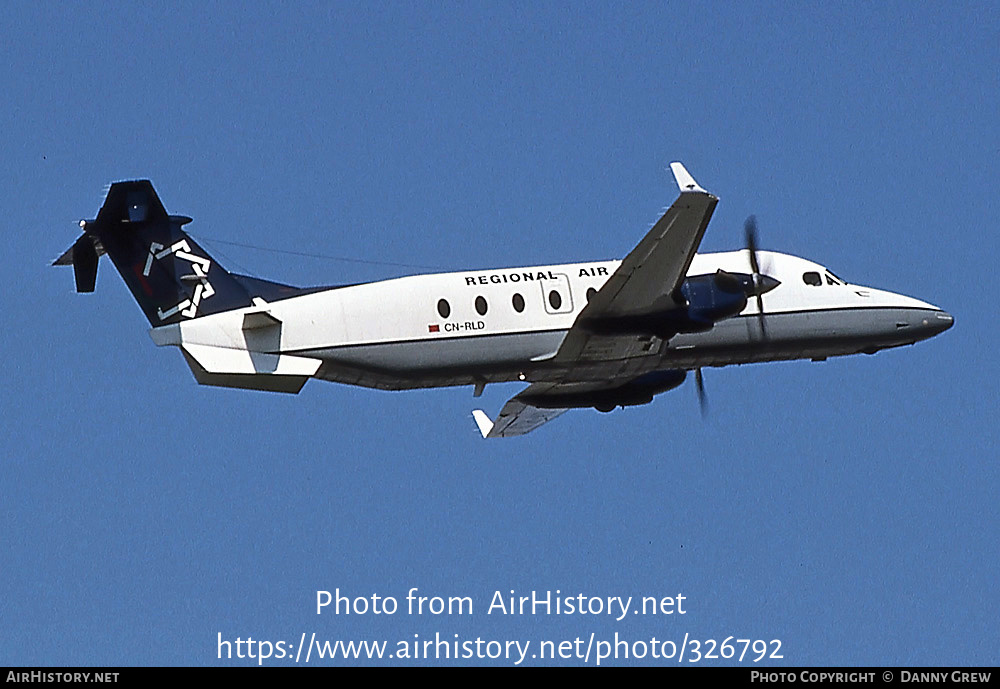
(646, 281)
(598, 359)
(537, 404)
(517, 416)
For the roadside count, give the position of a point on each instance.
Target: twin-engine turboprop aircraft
(602, 334)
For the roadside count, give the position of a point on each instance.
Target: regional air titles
(530, 276)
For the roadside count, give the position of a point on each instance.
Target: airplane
(600, 334)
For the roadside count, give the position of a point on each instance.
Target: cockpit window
(830, 280)
(812, 278)
(838, 280)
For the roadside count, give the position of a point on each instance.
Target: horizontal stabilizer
(66, 259)
(241, 368)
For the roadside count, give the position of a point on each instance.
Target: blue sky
(847, 508)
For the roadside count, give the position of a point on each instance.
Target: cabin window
(518, 302)
(590, 293)
(812, 278)
(481, 306)
(555, 300)
(444, 308)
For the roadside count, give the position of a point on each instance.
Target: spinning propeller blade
(750, 229)
(702, 396)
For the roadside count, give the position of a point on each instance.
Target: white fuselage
(396, 334)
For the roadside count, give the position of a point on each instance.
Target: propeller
(761, 284)
(699, 381)
(750, 229)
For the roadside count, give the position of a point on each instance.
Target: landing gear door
(556, 294)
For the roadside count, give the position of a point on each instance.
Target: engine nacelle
(711, 298)
(702, 301)
(637, 391)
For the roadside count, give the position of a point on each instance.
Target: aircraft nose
(942, 321)
(937, 322)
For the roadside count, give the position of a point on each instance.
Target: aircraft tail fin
(169, 274)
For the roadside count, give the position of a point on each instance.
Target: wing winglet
(483, 421)
(684, 179)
